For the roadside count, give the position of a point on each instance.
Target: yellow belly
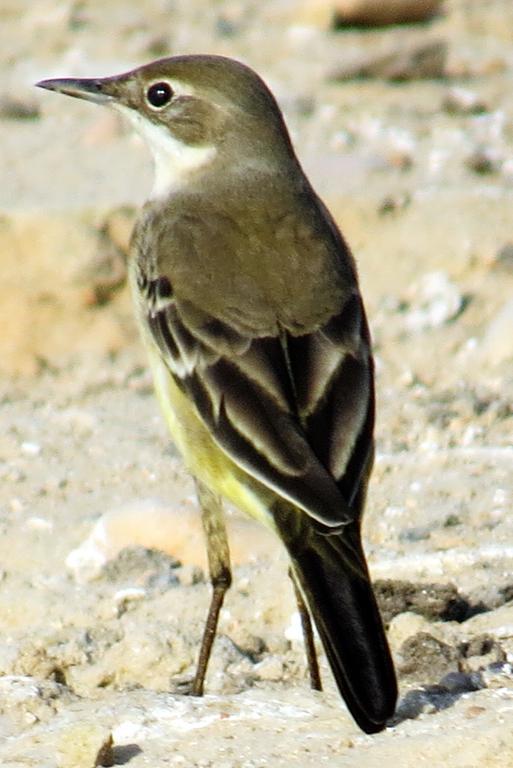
(201, 454)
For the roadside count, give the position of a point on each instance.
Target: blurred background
(402, 115)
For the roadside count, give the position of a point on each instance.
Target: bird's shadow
(123, 753)
(435, 698)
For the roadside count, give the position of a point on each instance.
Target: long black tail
(333, 576)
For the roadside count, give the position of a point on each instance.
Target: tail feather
(337, 588)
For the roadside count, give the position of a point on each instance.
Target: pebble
(436, 300)
(462, 682)
(13, 108)
(461, 101)
(30, 449)
(147, 523)
(393, 203)
(474, 711)
(39, 523)
(294, 631)
(483, 160)
(379, 13)
(504, 258)
(129, 595)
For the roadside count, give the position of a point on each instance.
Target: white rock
(144, 522)
(435, 299)
(86, 561)
(37, 523)
(30, 449)
(128, 595)
(294, 632)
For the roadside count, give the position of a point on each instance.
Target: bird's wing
(333, 374)
(294, 411)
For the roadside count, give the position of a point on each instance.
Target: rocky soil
(407, 132)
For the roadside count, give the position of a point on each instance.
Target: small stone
(417, 533)
(426, 659)
(123, 597)
(435, 300)
(460, 101)
(462, 682)
(394, 203)
(504, 258)
(37, 523)
(146, 523)
(30, 449)
(379, 13)
(483, 160)
(157, 46)
(294, 631)
(143, 569)
(14, 108)
(480, 653)
(225, 27)
(474, 711)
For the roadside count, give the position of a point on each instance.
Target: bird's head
(194, 112)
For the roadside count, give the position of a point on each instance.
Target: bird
(248, 301)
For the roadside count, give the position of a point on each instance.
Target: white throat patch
(173, 160)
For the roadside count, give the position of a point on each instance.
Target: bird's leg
(218, 555)
(308, 636)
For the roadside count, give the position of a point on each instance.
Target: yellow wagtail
(247, 296)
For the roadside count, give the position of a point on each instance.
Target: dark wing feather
(333, 374)
(295, 412)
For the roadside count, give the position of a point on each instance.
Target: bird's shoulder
(271, 256)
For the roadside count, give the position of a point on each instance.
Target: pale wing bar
(259, 416)
(334, 379)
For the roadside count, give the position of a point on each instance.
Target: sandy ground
(97, 627)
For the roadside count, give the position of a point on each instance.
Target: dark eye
(159, 94)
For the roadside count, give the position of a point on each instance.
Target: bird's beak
(98, 90)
